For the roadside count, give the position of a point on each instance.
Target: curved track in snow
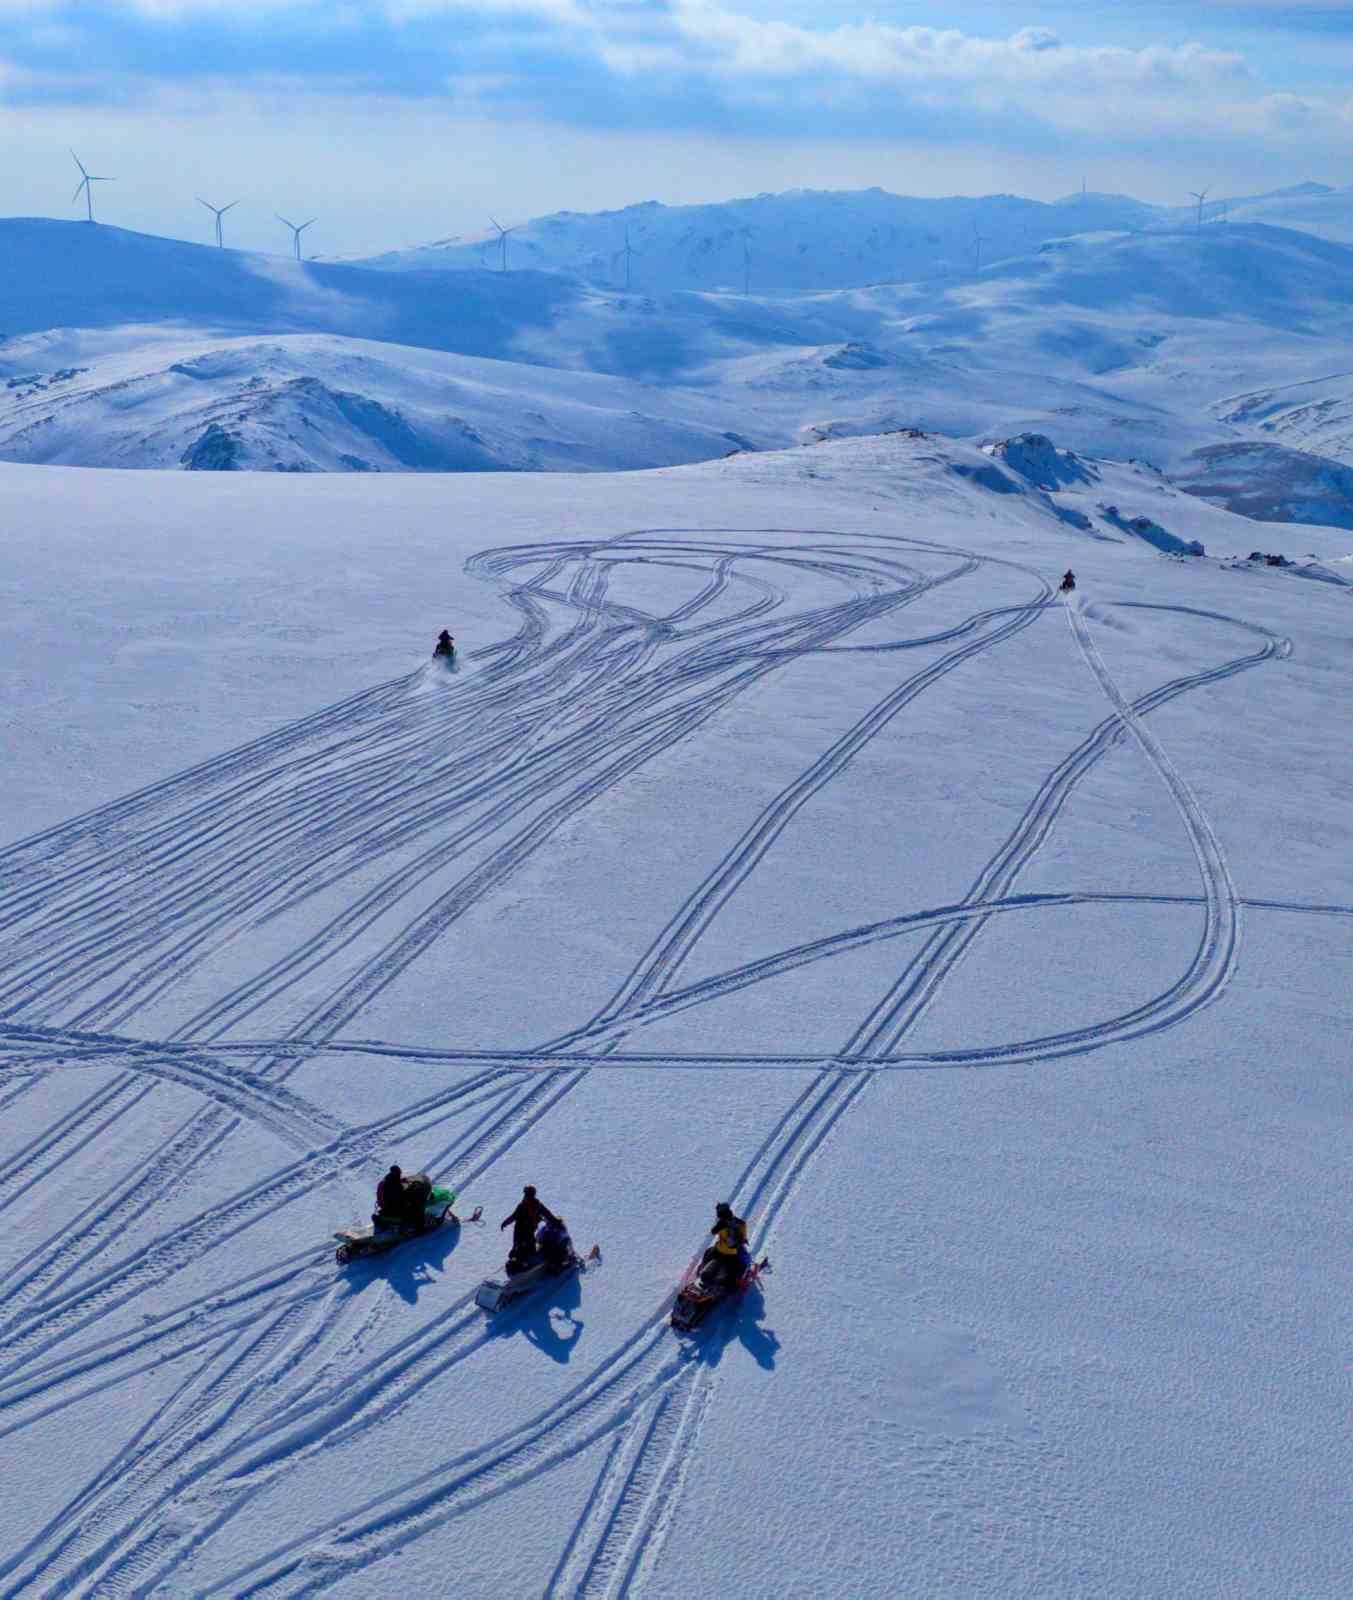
(345, 846)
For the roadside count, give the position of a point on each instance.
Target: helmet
(530, 1191)
(723, 1209)
(395, 1172)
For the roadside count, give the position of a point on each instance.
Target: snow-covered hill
(1308, 207)
(319, 403)
(782, 836)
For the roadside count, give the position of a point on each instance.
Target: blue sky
(401, 120)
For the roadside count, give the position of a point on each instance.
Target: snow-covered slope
(70, 275)
(1308, 207)
(1271, 482)
(781, 837)
(318, 403)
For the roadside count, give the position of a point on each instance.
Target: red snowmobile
(707, 1284)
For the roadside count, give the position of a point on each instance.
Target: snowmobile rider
(445, 644)
(390, 1198)
(729, 1249)
(1068, 579)
(528, 1216)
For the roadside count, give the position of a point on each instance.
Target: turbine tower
(628, 252)
(502, 239)
(1199, 198)
(978, 240)
(746, 266)
(218, 212)
(87, 182)
(297, 229)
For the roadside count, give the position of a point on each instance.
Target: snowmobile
(1068, 583)
(707, 1285)
(444, 647)
(523, 1274)
(386, 1232)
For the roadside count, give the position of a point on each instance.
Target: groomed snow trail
(346, 845)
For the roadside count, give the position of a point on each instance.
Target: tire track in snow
(620, 1535)
(848, 1092)
(607, 1399)
(631, 1547)
(913, 991)
(196, 1138)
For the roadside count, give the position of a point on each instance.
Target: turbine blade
(230, 207)
(203, 202)
(281, 218)
(78, 163)
(78, 188)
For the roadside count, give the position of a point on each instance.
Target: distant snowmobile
(706, 1285)
(445, 646)
(427, 1207)
(1068, 581)
(552, 1257)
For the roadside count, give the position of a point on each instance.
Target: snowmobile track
(105, 917)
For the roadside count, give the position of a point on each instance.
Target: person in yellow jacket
(729, 1251)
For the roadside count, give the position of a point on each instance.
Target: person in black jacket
(528, 1216)
(390, 1198)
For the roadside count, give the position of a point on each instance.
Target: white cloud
(1034, 57)
(680, 65)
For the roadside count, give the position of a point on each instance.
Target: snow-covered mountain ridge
(809, 239)
(1151, 344)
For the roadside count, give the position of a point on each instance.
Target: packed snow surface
(780, 834)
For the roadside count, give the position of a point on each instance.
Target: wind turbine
(627, 252)
(297, 229)
(1199, 198)
(978, 240)
(218, 212)
(502, 238)
(746, 266)
(87, 182)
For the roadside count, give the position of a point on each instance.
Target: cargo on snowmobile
(423, 1207)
